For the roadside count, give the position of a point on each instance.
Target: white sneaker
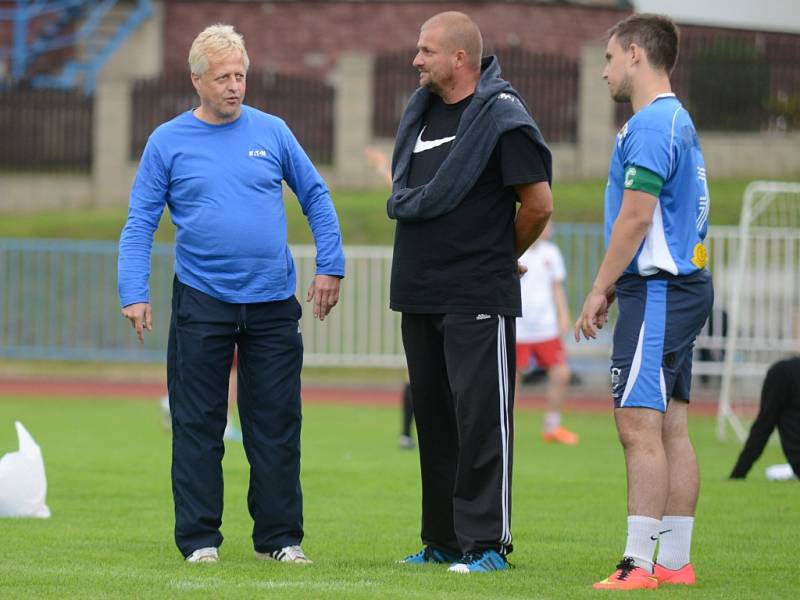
(209, 554)
(166, 418)
(292, 554)
(406, 442)
(232, 432)
(780, 472)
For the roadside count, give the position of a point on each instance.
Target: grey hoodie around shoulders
(496, 108)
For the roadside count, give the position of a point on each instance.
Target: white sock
(642, 539)
(675, 542)
(551, 420)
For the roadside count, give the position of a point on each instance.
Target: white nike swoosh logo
(422, 145)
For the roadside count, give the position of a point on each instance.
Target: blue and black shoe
(429, 554)
(481, 561)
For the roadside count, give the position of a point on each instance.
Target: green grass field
(362, 215)
(111, 531)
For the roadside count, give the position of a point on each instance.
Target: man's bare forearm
(527, 229)
(536, 206)
(626, 237)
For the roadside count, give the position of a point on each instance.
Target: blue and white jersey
(661, 139)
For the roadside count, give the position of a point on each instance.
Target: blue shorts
(659, 319)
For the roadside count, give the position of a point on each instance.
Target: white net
(760, 295)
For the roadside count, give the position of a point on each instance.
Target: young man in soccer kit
(220, 168)
(545, 318)
(467, 152)
(656, 215)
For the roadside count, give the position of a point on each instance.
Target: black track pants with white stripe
(461, 369)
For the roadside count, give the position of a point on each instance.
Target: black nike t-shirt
(463, 261)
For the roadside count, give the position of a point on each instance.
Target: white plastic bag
(23, 485)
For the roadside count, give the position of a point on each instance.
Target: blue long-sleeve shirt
(223, 186)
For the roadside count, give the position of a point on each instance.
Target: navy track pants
(203, 334)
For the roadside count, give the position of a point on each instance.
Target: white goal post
(763, 298)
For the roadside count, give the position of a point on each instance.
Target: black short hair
(657, 34)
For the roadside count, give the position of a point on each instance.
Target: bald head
(459, 33)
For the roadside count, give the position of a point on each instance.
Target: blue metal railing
(71, 22)
(23, 51)
(58, 301)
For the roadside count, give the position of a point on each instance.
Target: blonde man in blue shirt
(220, 169)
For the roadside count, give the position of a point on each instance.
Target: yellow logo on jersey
(700, 257)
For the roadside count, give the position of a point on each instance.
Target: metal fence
(305, 104)
(43, 130)
(549, 84)
(764, 296)
(58, 300)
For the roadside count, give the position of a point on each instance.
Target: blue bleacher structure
(93, 29)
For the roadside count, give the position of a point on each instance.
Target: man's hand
(324, 291)
(594, 314)
(141, 317)
(521, 268)
(634, 220)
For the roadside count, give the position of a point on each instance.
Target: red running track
(312, 394)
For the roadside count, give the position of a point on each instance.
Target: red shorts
(548, 353)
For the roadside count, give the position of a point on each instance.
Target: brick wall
(307, 37)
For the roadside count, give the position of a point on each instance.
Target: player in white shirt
(545, 318)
